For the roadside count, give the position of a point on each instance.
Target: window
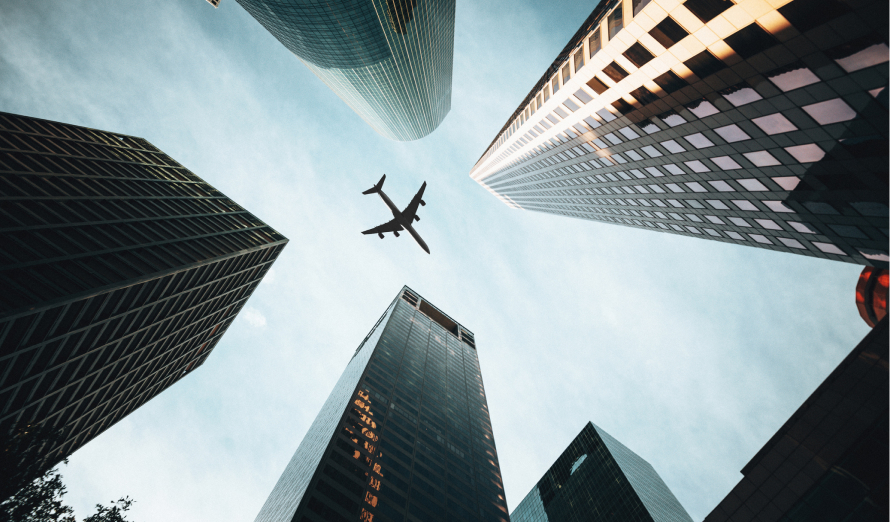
(615, 72)
(768, 224)
(707, 10)
(579, 60)
(860, 53)
(830, 111)
(732, 133)
(672, 146)
(774, 124)
(704, 64)
(744, 204)
(616, 22)
(722, 186)
(595, 42)
(792, 77)
(741, 94)
(702, 108)
(638, 55)
(699, 141)
(668, 32)
(583, 96)
(750, 40)
(638, 6)
(651, 151)
(812, 14)
(697, 166)
(554, 84)
(597, 86)
(762, 158)
(566, 74)
(622, 106)
(805, 154)
(671, 118)
(644, 95)
(670, 82)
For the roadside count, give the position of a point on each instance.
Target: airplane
(401, 220)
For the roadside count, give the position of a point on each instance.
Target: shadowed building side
(391, 61)
(829, 460)
(120, 271)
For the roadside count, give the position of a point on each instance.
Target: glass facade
(829, 460)
(404, 436)
(750, 123)
(598, 478)
(120, 271)
(389, 60)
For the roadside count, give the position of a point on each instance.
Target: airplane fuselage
(400, 219)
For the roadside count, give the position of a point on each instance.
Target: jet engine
(396, 233)
(416, 218)
(422, 203)
(380, 234)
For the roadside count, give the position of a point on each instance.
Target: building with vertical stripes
(760, 123)
(405, 435)
(120, 270)
(389, 60)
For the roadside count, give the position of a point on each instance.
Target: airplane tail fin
(376, 188)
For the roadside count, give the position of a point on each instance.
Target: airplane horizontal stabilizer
(376, 188)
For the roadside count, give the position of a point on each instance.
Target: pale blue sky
(690, 352)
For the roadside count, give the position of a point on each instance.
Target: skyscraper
(404, 435)
(598, 478)
(389, 60)
(761, 124)
(120, 270)
(829, 460)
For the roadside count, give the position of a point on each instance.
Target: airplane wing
(390, 226)
(411, 209)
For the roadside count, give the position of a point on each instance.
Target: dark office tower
(405, 434)
(119, 272)
(761, 124)
(598, 479)
(829, 460)
(389, 60)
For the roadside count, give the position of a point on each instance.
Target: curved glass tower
(390, 60)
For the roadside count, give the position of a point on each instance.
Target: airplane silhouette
(401, 220)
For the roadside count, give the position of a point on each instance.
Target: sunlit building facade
(404, 436)
(389, 60)
(599, 479)
(760, 123)
(829, 460)
(120, 270)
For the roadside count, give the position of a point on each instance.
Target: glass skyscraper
(404, 436)
(389, 60)
(599, 479)
(120, 271)
(749, 122)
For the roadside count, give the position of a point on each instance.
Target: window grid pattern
(391, 61)
(415, 440)
(598, 478)
(121, 270)
(779, 144)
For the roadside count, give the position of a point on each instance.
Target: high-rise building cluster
(753, 122)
